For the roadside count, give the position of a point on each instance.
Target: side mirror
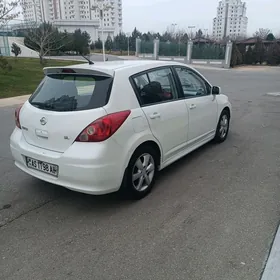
(216, 90)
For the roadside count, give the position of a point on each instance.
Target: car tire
(140, 174)
(222, 127)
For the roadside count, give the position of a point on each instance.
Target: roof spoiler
(74, 70)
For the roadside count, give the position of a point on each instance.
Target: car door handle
(155, 115)
(192, 106)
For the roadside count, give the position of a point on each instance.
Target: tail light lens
(17, 111)
(103, 128)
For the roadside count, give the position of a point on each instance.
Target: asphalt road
(212, 215)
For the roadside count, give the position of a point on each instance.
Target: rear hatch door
(62, 106)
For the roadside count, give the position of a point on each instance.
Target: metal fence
(172, 49)
(165, 48)
(4, 46)
(208, 51)
(147, 47)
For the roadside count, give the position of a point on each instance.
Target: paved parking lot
(212, 215)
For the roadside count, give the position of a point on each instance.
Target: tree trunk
(41, 59)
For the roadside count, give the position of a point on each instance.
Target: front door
(166, 114)
(202, 105)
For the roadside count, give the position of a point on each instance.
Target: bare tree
(180, 32)
(180, 38)
(262, 33)
(7, 11)
(44, 39)
(199, 34)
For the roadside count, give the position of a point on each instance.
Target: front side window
(192, 84)
(156, 86)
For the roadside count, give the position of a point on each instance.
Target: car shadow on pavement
(183, 163)
(83, 203)
(116, 200)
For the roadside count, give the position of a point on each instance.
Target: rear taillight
(17, 111)
(103, 128)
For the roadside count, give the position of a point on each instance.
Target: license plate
(42, 166)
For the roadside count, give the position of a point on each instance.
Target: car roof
(131, 67)
(110, 67)
(114, 65)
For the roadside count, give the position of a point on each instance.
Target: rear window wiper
(60, 105)
(42, 105)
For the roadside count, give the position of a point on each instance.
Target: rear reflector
(103, 128)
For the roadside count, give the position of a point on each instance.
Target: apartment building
(70, 15)
(231, 21)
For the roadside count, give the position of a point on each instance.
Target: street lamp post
(128, 42)
(206, 32)
(179, 39)
(179, 36)
(174, 27)
(101, 7)
(191, 28)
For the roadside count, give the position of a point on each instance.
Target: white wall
(76, 11)
(71, 25)
(25, 51)
(230, 20)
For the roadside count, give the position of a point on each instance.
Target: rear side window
(156, 86)
(72, 92)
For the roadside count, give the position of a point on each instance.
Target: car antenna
(89, 61)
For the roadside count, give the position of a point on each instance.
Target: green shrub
(4, 65)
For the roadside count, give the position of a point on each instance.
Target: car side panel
(122, 94)
(170, 128)
(223, 102)
(203, 117)
(137, 127)
(134, 132)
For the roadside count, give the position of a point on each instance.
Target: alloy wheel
(224, 123)
(143, 172)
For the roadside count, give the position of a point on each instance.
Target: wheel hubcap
(223, 126)
(143, 172)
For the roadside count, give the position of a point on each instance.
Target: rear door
(202, 105)
(166, 114)
(61, 107)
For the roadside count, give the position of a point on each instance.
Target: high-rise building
(231, 21)
(70, 15)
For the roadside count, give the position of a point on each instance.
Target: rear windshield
(71, 92)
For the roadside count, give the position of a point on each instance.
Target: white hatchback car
(111, 126)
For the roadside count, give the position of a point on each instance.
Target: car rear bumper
(92, 168)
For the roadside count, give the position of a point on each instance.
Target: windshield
(71, 92)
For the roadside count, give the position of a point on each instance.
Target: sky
(157, 15)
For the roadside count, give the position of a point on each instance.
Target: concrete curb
(129, 57)
(272, 268)
(256, 68)
(199, 66)
(13, 101)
